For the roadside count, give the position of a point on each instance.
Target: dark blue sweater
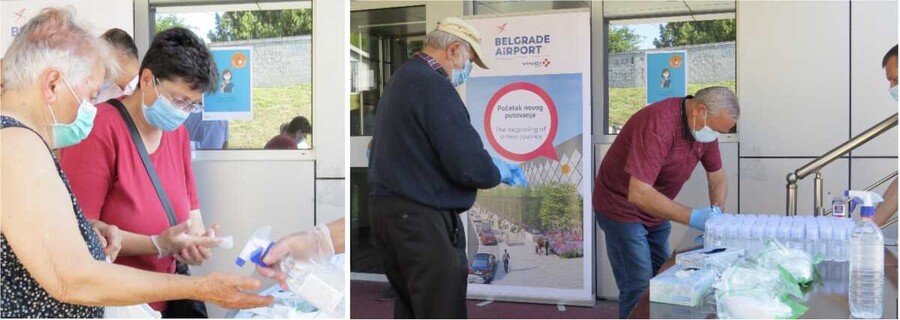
(424, 147)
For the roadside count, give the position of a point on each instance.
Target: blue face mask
(65, 135)
(162, 114)
(705, 134)
(459, 76)
(894, 92)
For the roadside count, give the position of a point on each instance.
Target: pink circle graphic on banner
(520, 122)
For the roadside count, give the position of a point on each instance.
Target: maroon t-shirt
(281, 142)
(656, 147)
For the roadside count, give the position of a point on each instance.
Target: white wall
(873, 31)
(94, 14)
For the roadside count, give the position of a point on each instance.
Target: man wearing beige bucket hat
(426, 165)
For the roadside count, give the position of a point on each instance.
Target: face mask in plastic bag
(795, 262)
(748, 291)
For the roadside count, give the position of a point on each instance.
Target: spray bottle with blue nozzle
(313, 278)
(866, 259)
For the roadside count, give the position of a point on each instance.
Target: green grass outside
(271, 108)
(624, 102)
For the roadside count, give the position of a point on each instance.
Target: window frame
(260, 154)
(601, 125)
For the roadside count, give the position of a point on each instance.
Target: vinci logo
(537, 64)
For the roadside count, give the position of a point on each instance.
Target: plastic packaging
(681, 285)
(716, 259)
(797, 263)
(747, 290)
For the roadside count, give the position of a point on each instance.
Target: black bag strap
(145, 158)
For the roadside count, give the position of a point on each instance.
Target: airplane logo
(501, 28)
(19, 15)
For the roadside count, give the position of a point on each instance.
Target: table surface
(827, 299)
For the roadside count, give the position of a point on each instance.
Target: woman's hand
(227, 291)
(110, 238)
(196, 255)
(176, 239)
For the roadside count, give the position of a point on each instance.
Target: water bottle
(825, 233)
(813, 245)
(798, 236)
(711, 233)
(839, 241)
(866, 267)
(758, 235)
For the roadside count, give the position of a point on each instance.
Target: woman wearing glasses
(106, 170)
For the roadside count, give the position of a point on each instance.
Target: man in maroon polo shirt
(645, 168)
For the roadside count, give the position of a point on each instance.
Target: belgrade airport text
(508, 46)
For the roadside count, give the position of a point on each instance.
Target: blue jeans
(635, 254)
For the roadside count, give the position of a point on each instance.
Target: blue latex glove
(518, 176)
(699, 216)
(503, 167)
(510, 174)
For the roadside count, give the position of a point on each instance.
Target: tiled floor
(365, 304)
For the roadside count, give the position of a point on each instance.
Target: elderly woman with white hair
(52, 260)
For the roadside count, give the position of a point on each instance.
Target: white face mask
(893, 91)
(705, 134)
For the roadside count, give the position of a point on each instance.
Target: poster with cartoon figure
(233, 97)
(666, 75)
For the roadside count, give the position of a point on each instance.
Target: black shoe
(387, 293)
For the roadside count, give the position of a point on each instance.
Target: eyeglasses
(180, 103)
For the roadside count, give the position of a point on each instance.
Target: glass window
(380, 42)
(710, 47)
(280, 43)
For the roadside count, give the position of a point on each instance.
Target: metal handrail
(817, 164)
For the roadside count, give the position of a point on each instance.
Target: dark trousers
(424, 252)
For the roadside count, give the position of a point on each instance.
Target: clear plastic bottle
(784, 230)
(758, 235)
(711, 233)
(840, 240)
(798, 238)
(771, 230)
(746, 232)
(826, 234)
(732, 237)
(813, 245)
(866, 267)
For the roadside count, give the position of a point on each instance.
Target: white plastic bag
(799, 264)
(141, 311)
(749, 291)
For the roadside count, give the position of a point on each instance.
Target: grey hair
(52, 39)
(719, 99)
(439, 39)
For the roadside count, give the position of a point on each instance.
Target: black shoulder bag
(175, 308)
